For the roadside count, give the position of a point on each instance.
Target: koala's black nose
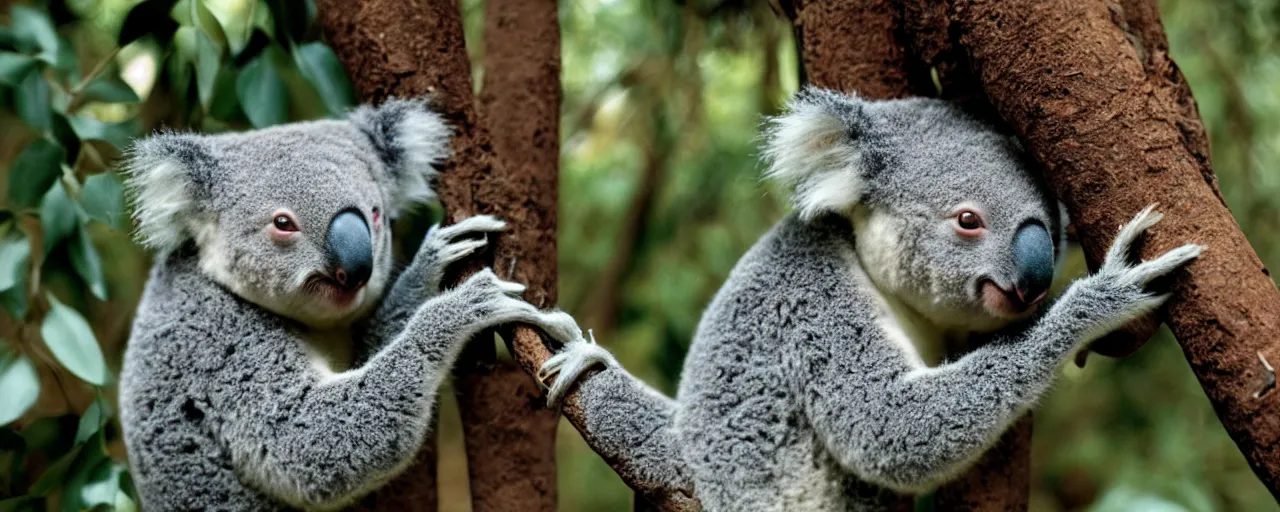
(349, 246)
(1033, 258)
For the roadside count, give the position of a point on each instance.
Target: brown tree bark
(510, 432)
(1091, 93)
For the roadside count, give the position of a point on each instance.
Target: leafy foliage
(77, 83)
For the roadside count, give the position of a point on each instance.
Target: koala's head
(948, 217)
(293, 218)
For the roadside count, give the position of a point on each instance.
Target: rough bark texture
(1115, 136)
(1000, 479)
(854, 46)
(884, 49)
(510, 432)
(406, 49)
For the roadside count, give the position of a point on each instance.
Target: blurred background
(660, 194)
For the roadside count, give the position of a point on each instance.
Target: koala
(275, 361)
(819, 378)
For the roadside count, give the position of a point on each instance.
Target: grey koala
(816, 378)
(265, 369)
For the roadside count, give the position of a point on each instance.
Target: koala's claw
(511, 288)
(455, 251)
(569, 364)
(474, 224)
(1116, 262)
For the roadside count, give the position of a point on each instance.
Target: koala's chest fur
(331, 351)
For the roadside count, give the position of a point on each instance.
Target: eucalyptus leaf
(34, 27)
(109, 88)
(15, 254)
(54, 474)
(66, 136)
(34, 171)
(262, 93)
(31, 102)
(118, 134)
(208, 23)
(101, 485)
(72, 343)
(93, 419)
(58, 217)
(14, 67)
(208, 61)
(321, 67)
(21, 385)
(15, 299)
(102, 198)
(123, 503)
(87, 263)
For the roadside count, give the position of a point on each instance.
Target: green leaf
(110, 88)
(21, 385)
(35, 27)
(102, 198)
(14, 67)
(99, 486)
(34, 171)
(150, 17)
(124, 504)
(321, 67)
(31, 101)
(54, 474)
(208, 61)
(93, 419)
(208, 23)
(262, 93)
(58, 217)
(69, 337)
(65, 135)
(119, 134)
(15, 254)
(85, 259)
(14, 300)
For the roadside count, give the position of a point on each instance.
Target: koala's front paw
(1118, 293)
(566, 366)
(440, 248)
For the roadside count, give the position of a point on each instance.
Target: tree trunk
(510, 432)
(1091, 92)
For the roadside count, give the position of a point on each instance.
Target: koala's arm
(626, 422)
(421, 280)
(348, 433)
(911, 429)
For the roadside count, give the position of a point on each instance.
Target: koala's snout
(349, 247)
(1033, 261)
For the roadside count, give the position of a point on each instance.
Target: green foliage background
(660, 195)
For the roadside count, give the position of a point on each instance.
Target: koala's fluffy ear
(813, 148)
(411, 140)
(166, 174)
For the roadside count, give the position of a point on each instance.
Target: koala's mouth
(1004, 302)
(328, 289)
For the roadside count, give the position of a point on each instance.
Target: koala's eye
(969, 223)
(284, 223)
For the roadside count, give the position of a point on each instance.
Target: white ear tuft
(811, 148)
(159, 181)
(411, 140)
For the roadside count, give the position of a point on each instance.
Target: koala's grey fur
(238, 390)
(815, 379)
